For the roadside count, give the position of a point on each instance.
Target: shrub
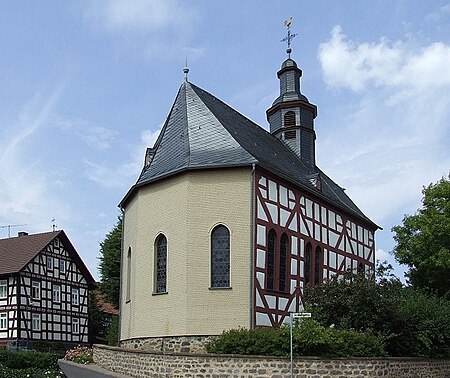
(23, 360)
(309, 339)
(80, 355)
(112, 332)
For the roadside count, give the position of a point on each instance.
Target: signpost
(296, 315)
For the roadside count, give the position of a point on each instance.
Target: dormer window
(289, 119)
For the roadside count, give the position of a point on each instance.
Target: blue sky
(86, 86)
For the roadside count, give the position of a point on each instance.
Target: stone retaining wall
(138, 363)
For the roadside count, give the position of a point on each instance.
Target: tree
(423, 241)
(110, 264)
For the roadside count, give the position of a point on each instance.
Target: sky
(85, 87)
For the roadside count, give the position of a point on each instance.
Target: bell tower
(291, 116)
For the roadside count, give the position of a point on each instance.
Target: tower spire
(186, 70)
(289, 36)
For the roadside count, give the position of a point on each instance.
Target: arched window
(128, 281)
(271, 240)
(318, 266)
(220, 257)
(307, 267)
(283, 263)
(161, 265)
(289, 119)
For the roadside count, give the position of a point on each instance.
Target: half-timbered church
(44, 291)
(227, 222)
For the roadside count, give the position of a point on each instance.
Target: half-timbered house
(228, 222)
(44, 291)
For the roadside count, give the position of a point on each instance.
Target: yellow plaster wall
(186, 208)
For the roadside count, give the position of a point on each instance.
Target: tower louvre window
(289, 119)
(161, 265)
(220, 257)
(291, 134)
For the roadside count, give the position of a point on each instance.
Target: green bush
(112, 332)
(309, 339)
(23, 360)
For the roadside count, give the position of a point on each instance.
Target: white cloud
(25, 183)
(393, 137)
(121, 176)
(158, 18)
(96, 137)
(346, 64)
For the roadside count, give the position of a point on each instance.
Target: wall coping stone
(256, 357)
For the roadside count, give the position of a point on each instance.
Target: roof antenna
(289, 36)
(54, 225)
(186, 70)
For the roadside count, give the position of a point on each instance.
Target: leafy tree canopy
(110, 264)
(423, 241)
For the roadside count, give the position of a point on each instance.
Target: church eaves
(202, 132)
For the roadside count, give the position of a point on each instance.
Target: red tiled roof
(17, 252)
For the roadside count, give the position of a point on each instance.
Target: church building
(227, 222)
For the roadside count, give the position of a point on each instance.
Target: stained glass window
(128, 287)
(271, 239)
(220, 257)
(307, 267)
(161, 264)
(318, 266)
(283, 262)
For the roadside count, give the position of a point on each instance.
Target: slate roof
(17, 252)
(201, 131)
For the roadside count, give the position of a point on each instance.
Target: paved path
(73, 370)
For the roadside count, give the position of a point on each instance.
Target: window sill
(220, 288)
(164, 292)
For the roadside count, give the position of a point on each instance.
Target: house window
(57, 293)
(308, 263)
(161, 264)
(75, 326)
(36, 290)
(3, 289)
(49, 263)
(128, 282)
(283, 263)
(3, 321)
(289, 119)
(36, 322)
(220, 257)
(62, 266)
(75, 296)
(271, 240)
(318, 266)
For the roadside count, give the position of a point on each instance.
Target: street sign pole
(295, 315)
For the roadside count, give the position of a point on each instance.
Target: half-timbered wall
(52, 297)
(322, 243)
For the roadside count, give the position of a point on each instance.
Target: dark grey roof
(201, 131)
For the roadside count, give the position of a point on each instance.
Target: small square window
(75, 326)
(36, 322)
(62, 266)
(75, 296)
(36, 290)
(49, 263)
(3, 321)
(3, 288)
(57, 293)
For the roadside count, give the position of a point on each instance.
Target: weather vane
(289, 36)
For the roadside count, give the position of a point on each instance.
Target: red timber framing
(337, 242)
(47, 300)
